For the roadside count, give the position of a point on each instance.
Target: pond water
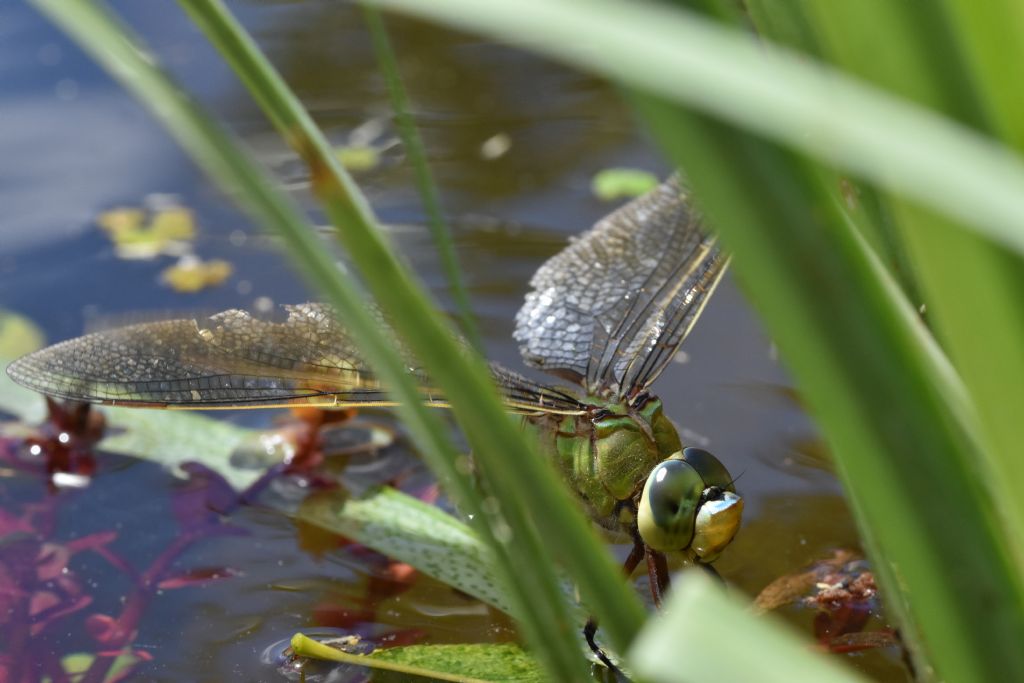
(514, 142)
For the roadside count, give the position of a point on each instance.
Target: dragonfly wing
(525, 396)
(610, 310)
(231, 359)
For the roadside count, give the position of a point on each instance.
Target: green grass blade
(991, 37)
(973, 287)
(424, 179)
(539, 603)
(902, 434)
(223, 159)
(530, 502)
(768, 90)
(785, 22)
(902, 47)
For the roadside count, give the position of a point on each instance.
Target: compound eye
(710, 468)
(718, 520)
(668, 505)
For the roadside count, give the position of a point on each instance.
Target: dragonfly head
(689, 502)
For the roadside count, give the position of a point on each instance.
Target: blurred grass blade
(920, 66)
(538, 601)
(524, 484)
(903, 437)
(528, 503)
(991, 36)
(734, 646)
(762, 88)
(429, 194)
(973, 287)
(223, 159)
(522, 487)
(785, 22)
(790, 25)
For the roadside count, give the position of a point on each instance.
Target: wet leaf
(468, 663)
(173, 438)
(411, 531)
(488, 662)
(622, 183)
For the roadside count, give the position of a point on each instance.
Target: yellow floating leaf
(191, 274)
(121, 220)
(173, 223)
(358, 157)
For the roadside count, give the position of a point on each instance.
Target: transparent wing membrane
(610, 310)
(607, 312)
(235, 360)
(226, 360)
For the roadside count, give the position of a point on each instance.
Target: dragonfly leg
(657, 574)
(590, 630)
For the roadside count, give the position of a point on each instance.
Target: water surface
(73, 144)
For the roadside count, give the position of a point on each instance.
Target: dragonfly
(606, 314)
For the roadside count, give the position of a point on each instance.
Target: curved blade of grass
(785, 22)
(520, 484)
(902, 435)
(734, 646)
(424, 179)
(524, 483)
(223, 159)
(758, 87)
(991, 37)
(546, 621)
(974, 287)
(527, 503)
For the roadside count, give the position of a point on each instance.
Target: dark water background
(73, 144)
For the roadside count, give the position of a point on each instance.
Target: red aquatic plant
(39, 588)
(41, 594)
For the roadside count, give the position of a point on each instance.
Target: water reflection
(464, 92)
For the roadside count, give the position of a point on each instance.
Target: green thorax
(607, 453)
